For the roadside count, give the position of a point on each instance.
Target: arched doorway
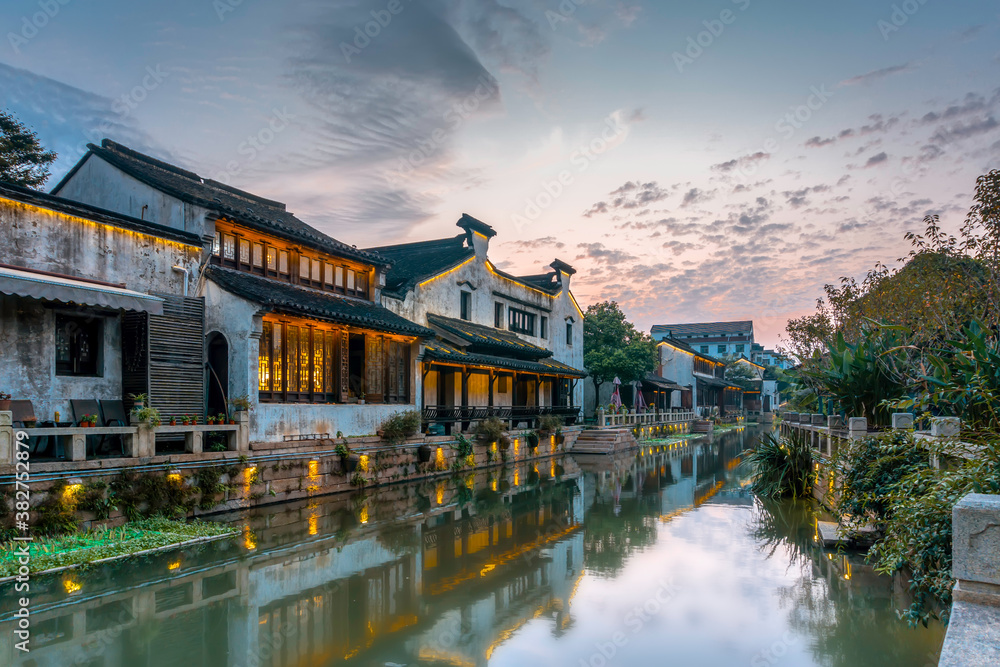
(218, 373)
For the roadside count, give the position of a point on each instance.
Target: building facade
(506, 346)
(292, 320)
(715, 339)
(711, 394)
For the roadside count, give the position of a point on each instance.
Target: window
(217, 244)
(721, 349)
(244, 251)
(569, 334)
(304, 267)
(79, 343)
(466, 305)
(283, 262)
(329, 274)
(339, 282)
(498, 315)
(522, 322)
(258, 255)
(740, 348)
(543, 327)
(272, 259)
(704, 349)
(228, 246)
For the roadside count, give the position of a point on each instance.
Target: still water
(656, 558)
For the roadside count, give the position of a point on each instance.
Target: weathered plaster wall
(28, 359)
(441, 296)
(270, 421)
(100, 184)
(46, 240)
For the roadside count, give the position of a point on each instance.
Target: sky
(694, 161)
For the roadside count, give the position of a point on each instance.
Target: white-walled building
(715, 339)
(509, 346)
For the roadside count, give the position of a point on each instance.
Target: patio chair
(114, 415)
(88, 407)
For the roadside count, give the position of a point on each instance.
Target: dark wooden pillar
(492, 378)
(465, 395)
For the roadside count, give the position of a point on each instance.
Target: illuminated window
(350, 280)
(304, 267)
(329, 274)
(283, 262)
(228, 246)
(258, 254)
(339, 280)
(217, 243)
(317, 269)
(272, 258)
(245, 251)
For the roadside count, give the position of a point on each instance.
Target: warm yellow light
(363, 463)
(249, 539)
(489, 567)
(313, 522)
(448, 272)
(439, 494)
(174, 565)
(517, 477)
(174, 478)
(470, 482)
(71, 586)
(313, 469)
(70, 493)
(493, 484)
(363, 515)
(439, 459)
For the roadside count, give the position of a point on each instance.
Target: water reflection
(535, 564)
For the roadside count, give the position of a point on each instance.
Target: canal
(660, 557)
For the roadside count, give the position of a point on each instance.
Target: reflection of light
(552, 469)
(249, 539)
(489, 567)
(71, 586)
(363, 515)
(313, 523)
(847, 569)
(249, 476)
(470, 482)
(517, 477)
(174, 565)
(440, 493)
(313, 470)
(493, 484)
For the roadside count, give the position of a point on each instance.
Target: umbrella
(640, 401)
(616, 397)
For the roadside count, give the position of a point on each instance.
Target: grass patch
(93, 545)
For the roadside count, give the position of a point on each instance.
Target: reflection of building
(317, 582)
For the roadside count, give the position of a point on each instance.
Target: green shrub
(550, 424)
(400, 426)
(782, 467)
(490, 430)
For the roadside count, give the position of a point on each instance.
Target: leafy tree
(741, 375)
(612, 346)
(23, 161)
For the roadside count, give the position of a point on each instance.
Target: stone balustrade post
(857, 426)
(974, 628)
(7, 447)
(835, 422)
(902, 420)
(945, 427)
(601, 417)
(818, 420)
(243, 434)
(145, 440)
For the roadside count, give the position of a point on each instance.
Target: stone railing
(973, 637)
(138, 440)
(640, 418)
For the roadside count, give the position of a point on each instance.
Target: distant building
(716, 339)
(773, 358)
(703, 377)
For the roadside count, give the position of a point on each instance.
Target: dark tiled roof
(544, 281)
(705, 328)
(687, 348)
(264, 215)
(717, 382)
(486, 339)
(441, 351)
(661, 382)
(294, 300)
(52, 202)
(468, 223)
(414, 262)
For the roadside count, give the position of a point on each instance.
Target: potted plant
(532, 439)
(88, 421)
(139, 400)
(361, 398)
(4, 401)
(211, 420)
(173, 421)
(240, 403)
(549, 424)
(424, 453)
(504, 442)
(490, 430)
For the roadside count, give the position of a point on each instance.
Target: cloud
(697, 196)
(876, 159)
(741, 162)
(599, 253)
(817, 142)
(535, 244)
(627, 13)
(876, 75)
(960, 131)
(631, 195)
(798, 198)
